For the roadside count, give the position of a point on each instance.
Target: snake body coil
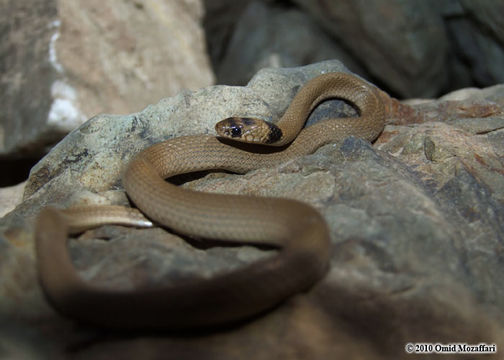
(296, 229)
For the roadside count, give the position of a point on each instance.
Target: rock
(488, 14)
(415, 220)
(221, 17)
(411, 48)
(272, 35)
(483, 54)
(401, 43)
(10, 197)
(67, 61)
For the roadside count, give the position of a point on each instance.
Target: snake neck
(334, 86)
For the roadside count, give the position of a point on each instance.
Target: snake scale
(296, 229)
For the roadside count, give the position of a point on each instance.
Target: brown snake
(297, 230)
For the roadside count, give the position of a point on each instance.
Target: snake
(295, 229)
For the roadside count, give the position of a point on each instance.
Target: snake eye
(236, 131)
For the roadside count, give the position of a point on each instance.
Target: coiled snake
(296, 229)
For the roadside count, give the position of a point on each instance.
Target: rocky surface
(65, 61)
(412, 48)
(416, 226)
(402, 43)
(275, 42)
(10, 197)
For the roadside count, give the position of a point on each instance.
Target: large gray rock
(483, 54)
(10, 197)
(488, 14)
(413, 48)
(66, 61)
(416, 227)
(274, 36)
(402, 43)
(220, 19)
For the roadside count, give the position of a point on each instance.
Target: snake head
(249, 130)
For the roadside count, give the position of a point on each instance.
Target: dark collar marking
(275, 133)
